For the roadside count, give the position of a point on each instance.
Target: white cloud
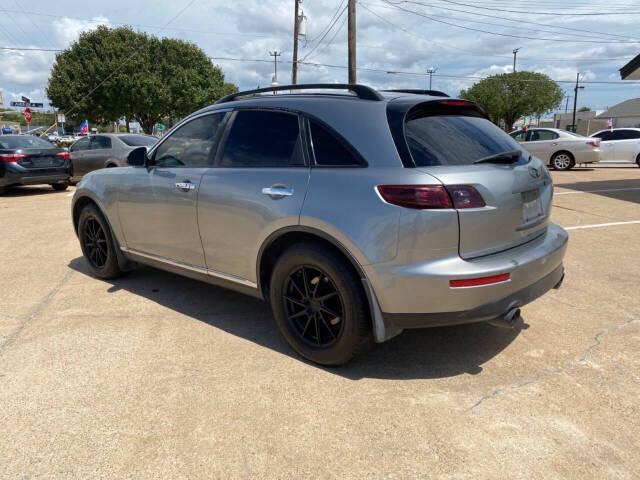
(69, 29)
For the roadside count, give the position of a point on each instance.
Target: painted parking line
(598, 225)
(70, 194)
(597, 191)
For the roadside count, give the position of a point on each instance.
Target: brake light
(476, 282)
(594, 143)
(432, 196)
(416, 196)
(455, 103)
(11, 157)
(465, 196)
(64, 155)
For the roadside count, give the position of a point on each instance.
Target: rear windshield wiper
(510, 156)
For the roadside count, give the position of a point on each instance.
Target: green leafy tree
(584, 109)
(509, 96)
(133, 75)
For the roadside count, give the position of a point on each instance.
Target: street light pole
(515, 52)
(275, 54)
(431, 71)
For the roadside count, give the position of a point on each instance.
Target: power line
(330, 22)
(512, 19)
(541, 13)
(504, 34)
(325, 34)
(344, 21)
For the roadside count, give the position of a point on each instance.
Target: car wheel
(111, 165)
(563, 161)
(97, 244)
(638, 160)
(2, 190)
(319, 305)
(60, 187)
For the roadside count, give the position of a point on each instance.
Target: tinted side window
(519, 136)
(82, 144)
(629, 134)
(539, 135)
(99, 143)
(191, 144)
(328, 150)
(603, 135)
(263, 139)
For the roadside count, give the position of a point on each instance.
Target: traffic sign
(27, 115)
(160, 127)
(26, 104)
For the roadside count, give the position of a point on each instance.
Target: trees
(133, 75)
(584, 109)
(509, 96)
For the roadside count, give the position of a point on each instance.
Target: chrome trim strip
(187, 266)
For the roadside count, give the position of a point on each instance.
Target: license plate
(531, 205)
(42, 161)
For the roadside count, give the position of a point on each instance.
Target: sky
(461, 39)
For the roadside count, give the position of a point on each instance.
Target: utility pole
(575, 102)
(352, 40)
(275, 54)
(431, 71)
(515, 52)
(566, 105)
(294, 67)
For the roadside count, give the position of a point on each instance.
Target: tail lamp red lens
(594, 143)
(11, 157)
(64, 155)
(424, 197)
(455, 103)
(476, 282)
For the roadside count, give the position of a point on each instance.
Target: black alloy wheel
(313, 306)
(95, 243)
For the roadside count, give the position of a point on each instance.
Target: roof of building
(628, 108)
(631, 71)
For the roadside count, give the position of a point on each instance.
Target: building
(625, 114)
(631, 71)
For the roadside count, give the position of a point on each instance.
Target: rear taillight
(456, 103)
(64, 155)
(476, 282)
(465, 196)
(431, 196)
(416, 196)
(594, 143)
(11, 157)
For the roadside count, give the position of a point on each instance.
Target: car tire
(2, 190)
(60, 187)
(638, 160)
(97, 243)
(562, 161)
(319, 305)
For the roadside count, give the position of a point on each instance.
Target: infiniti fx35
(355, 215)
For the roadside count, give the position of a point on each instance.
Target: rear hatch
(453, 142)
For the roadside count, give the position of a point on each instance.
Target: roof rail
(362, 91)
(433, 93)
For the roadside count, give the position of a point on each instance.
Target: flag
(84, 127)
(525, 127)
(610, 123)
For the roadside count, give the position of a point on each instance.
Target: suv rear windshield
(454, 140)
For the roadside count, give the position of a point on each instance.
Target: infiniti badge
(533, 172)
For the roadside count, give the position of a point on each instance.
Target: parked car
(355, 215)
(29, 160)
(558, 148)
(104, 151)
(620, 145)
(52, 137)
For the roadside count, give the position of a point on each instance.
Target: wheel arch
(278, 242)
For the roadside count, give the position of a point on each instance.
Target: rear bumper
(419, 295)
(16, 175)
(588, 156)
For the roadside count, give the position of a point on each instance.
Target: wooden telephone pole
(294, 68)
(352, 40)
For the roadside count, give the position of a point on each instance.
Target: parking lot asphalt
(157, 376)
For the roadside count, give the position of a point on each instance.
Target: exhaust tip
(509, 319)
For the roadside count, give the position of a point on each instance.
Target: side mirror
(137, 157)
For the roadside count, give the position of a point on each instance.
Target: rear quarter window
(454, 140)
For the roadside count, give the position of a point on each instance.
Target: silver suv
(356, 215)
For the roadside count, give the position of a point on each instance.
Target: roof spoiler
(361, 91)
(433, 93)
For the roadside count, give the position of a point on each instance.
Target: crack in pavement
(560, 370)
(38, 308)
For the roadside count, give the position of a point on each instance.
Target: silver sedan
(560, 149)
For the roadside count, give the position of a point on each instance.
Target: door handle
(185, 186)
(277, 192)
(554, 144)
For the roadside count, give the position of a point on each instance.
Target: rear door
(78, 154)
(257, 187)
(627, 145)
(517, 194)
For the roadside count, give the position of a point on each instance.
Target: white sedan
(620, 144)
(558, 148)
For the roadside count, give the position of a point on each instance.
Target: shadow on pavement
(426, 353)
(600, 187)
(30, 191)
